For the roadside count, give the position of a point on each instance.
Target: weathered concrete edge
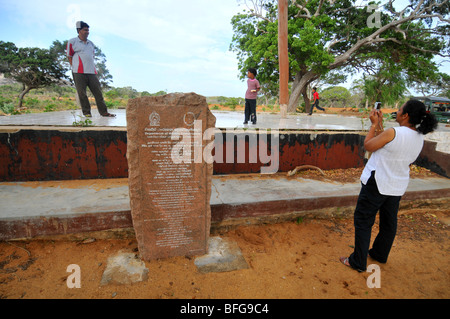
(222, 215)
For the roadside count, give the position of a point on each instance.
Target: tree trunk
(299, 88)
(26, 89)
(306, 98)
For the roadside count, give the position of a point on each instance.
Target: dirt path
(297, 259)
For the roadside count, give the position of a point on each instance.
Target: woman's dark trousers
(370, 201)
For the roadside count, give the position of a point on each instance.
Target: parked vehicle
(438, 106)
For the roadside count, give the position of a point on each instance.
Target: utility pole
(283, 58)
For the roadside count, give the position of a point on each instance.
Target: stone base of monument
(223, 255)
(124, 268)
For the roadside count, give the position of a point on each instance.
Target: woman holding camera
(385, 179)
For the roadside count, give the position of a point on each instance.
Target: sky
(170, 45)
(151, 45)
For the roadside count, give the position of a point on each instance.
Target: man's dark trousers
(82, 81)
(369, 202)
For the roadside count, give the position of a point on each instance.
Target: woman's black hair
(418, 116)
(252, 70)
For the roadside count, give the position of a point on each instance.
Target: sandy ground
(296, 259)
(290, 260)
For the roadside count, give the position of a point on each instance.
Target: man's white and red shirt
(82, 54)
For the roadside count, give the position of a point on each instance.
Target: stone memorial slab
(169, 143)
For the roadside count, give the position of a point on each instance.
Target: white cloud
(176, 28)
(184, 39)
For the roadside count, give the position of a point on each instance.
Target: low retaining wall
(41, 154)
(435, 161)
(67, 154)
(222, 215)
(54, 154)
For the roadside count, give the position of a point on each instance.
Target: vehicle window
(439, 107)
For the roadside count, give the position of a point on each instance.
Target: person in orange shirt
(315, 101)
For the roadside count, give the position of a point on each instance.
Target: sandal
(346, 262)
(109, 115)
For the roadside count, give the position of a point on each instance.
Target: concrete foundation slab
(30, 209)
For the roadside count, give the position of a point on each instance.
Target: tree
(337, 96)
(387, 85)
(102, 71)
(338, 35)
(358, 97)
(125, 92)
(436, 85)
(33, 67)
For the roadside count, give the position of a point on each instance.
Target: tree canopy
(33, 67)
(36, 68)
(336, 96)
(339, 35)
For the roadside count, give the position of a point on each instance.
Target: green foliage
(324, 36)
(81, 122)
(232, 102)
(50, 107)
(56, 98)
(225, 101)
(6, 105)
(159, 93)
(52, 98)
(31, 102)
(125, 92)
(336, 96)
(437, 84)
(33, 67)
(255, 41)
(114, 104)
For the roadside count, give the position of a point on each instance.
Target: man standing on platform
(81, 54)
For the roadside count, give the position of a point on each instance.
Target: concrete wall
(324, 150)
(64, 154)
(30, 155)
(438, 162)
